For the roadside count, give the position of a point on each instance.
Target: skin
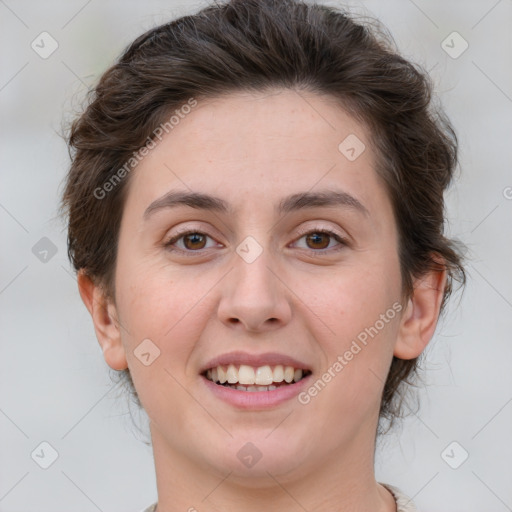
(252, 150)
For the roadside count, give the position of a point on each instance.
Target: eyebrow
(294, 202)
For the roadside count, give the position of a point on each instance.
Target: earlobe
(104, 317)
(419, 320)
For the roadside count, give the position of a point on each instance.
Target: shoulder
(403, 502)
(151, 508)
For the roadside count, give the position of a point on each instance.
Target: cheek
(157, 305)
(355, 297)
(161, 321)
(360, 309)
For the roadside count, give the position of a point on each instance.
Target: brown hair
(255, 45)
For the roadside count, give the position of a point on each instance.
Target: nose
(254, 297)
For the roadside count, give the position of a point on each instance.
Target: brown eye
(318, 240)
(191, 241)
(194, 241)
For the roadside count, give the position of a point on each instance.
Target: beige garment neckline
(403, 502)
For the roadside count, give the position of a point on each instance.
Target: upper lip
(254, 360)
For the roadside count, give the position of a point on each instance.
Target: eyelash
(343, 241)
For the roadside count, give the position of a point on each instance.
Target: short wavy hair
(258, 45)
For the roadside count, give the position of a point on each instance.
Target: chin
(254, 463)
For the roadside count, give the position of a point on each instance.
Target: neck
(344, 482)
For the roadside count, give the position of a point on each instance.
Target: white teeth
(263, 376)
(221, 375)
(253, 378)
(279, 373)
(240, 387)
(246, 374)
(232, 374)
(289, 373)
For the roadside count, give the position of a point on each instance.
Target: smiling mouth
(247, 378)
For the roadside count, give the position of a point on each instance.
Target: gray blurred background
(453, 455)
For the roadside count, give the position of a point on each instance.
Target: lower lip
(256, 399)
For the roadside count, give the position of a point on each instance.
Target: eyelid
(194, 228)
(320, 229)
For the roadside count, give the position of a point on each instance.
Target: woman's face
(259, 284)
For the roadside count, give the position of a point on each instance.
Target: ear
(419, 320)
(104, 317)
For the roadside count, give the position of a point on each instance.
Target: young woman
(256, 217)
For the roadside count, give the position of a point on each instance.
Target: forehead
(287, 124)
(259, 145)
